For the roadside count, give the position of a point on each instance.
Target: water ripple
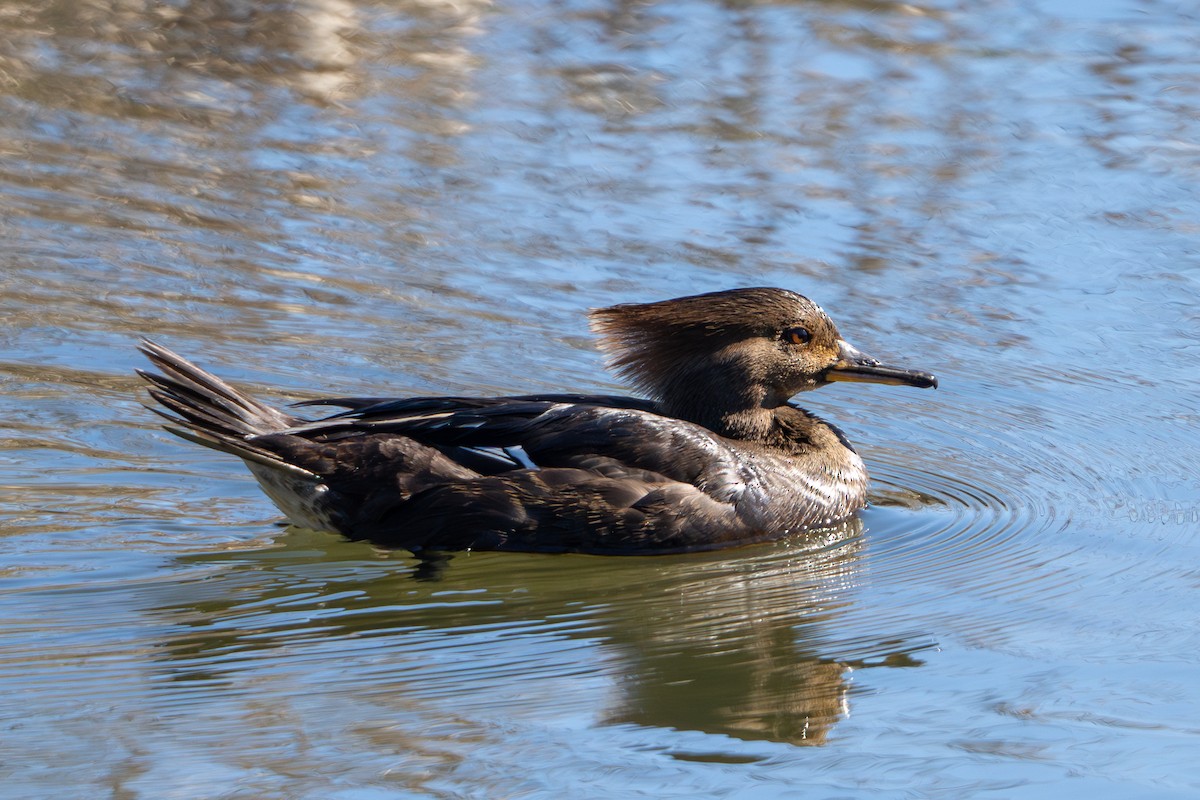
(951, 527)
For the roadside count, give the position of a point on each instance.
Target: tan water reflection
(307, 44)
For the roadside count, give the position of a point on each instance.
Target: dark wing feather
(611, 480)
(576, 431)
(382, 412)
(561, 510)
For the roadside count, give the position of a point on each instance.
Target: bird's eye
(797, 336)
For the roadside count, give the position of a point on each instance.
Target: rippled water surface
(386, 198)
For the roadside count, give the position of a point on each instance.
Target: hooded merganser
(717, 457)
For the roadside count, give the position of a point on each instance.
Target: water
(328, 196)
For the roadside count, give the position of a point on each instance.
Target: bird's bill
(855, 365)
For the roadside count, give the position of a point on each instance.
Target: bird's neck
(731, 410)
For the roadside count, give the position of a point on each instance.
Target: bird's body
(717, 458)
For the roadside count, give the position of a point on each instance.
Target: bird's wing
(590, 474)
(605, 435)
(561, 510)
(380, 409)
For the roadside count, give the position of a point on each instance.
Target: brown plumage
(716, 457)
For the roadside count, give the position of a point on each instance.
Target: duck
(712, 454)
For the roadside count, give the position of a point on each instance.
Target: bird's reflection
(741, 643)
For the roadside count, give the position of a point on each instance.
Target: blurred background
(389, 198)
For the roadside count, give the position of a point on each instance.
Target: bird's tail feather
(206, 410)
